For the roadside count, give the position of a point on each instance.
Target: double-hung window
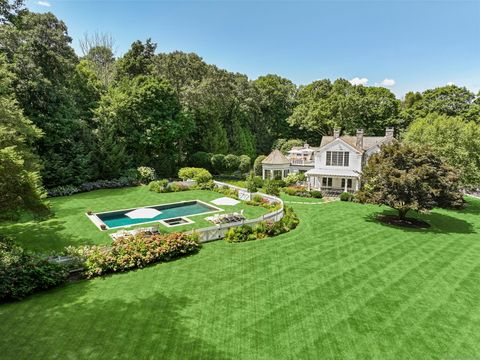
(338, 158)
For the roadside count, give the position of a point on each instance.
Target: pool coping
(99, 222)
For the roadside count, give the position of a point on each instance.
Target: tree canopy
(452, 138)
(92, 117)
(406, 178)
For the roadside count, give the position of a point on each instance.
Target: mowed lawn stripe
(339, 286)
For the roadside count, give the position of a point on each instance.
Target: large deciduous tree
(276, 99)
(452, 138)
(144, 114)
(406, 178)
(323, 105)
(139, 60)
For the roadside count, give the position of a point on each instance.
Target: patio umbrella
(143, 213)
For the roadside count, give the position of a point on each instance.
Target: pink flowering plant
(137, 251)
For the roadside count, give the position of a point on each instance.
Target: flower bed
(132, 252)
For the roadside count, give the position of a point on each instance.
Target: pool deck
(99, 222)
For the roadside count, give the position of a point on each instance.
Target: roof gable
(368, 141)
(339, 140)
(276, 158)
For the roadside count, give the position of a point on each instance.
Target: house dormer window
(338, 158)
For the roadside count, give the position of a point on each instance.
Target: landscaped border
(218, 232)
(99, 222)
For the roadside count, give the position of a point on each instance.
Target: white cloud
(388, 82)
(359, 81)
(450, 83)
(44, 3)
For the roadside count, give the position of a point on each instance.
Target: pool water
(115, 219)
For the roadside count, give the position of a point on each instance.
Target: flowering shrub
(23, 273)
(93, 185)
(209, 185)
(137, 251)
(294, 178)
(263, 229)
(225, 190)
(146, 174)
(158, 186)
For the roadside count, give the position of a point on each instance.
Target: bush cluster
(263, 229)
(133, 252)
(221, 163)
(200, 175)
(302, 191)
(294, 178)
(346, 196)
(163, 186)
(273, 187)
(23, 273)
(258, 200)
(146, 174)
(227, 191)
(130, 178)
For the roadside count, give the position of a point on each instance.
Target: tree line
(67, 119)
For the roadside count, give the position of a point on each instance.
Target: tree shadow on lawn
(473, 206)
(439, 223)
(84, 321)
(42, 236)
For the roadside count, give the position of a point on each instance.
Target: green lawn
(70, 225)
(340, 286)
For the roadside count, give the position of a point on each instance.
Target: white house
(339, 160)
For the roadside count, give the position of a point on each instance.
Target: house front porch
(335, 182)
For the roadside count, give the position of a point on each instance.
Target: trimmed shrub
(263, 229)
(240, 234)
(245, 163)
(346, 196)
(201, 159)
(158, 186)
(209, 185)
(316, 194)
(138, 251)
(66, 190)
(124, 181)
(176, 187)
(225, 190)
(231, 163)
(218, 163)
(198, 174)
(146, 174)
(22, 273)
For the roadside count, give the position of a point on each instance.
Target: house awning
(333, 172)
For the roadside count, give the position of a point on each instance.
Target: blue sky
(407, 45)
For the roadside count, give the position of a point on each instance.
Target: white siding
(355, 159)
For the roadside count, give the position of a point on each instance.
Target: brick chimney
(359, 142)
(389, 132)
(336, 133)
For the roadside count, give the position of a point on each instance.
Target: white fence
(219, 231)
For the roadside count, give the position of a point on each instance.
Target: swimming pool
(129, 217)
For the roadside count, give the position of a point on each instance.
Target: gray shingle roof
(368, 141)
(276, 158)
